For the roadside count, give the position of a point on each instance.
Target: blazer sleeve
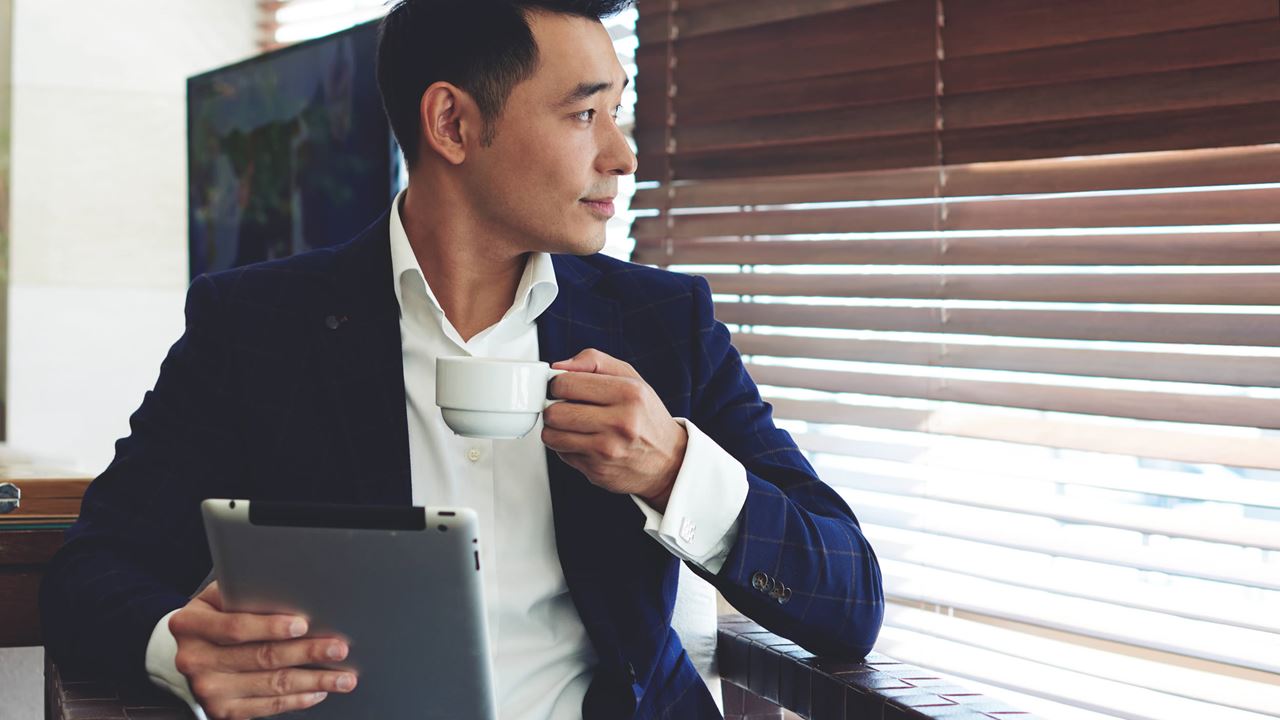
(800, 565)
(137, 550)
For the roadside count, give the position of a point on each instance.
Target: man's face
(552, 150)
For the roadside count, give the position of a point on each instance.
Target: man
(311, 378)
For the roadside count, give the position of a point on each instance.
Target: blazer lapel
(579, 319)
(362, 340)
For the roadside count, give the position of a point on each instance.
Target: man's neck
(473, 279)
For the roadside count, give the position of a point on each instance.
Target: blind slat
(1233, 688)
(890, 151)
(1003, 529)
(1252, 124)
(1188, 328)
(699, 18)
(1167, 406)
(949, 453)
(1218, 166)
(1018, 569)
(1218, 207)
(1138, 55)
(1187, 90)
(981, 492)
(835, 187)
(1059, 431)
(908, 117)
(1236, 248)
(855, 89)
(1256, 371)
(1160, 92)
(1262, 288)
(984, 27)
(891, 34)
(1042, 687)
(1093, 619)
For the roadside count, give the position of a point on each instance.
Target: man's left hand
(614, 429)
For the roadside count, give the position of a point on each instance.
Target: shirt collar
(535, 293)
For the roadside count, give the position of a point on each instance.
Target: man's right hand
(245, 665)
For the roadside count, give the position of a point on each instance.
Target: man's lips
(602, 206)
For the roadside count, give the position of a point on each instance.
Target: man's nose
(618, 158)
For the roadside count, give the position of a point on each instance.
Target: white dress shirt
(543, 659)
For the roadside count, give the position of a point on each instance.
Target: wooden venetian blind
(1010, 271)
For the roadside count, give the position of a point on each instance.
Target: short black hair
(484, 47)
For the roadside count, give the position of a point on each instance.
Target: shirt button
(473, 454)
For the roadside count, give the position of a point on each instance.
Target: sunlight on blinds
(1009, 272)
(1058, 504)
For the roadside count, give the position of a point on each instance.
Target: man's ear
(449, 121)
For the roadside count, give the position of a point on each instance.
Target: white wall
(99, 225)
(99, 221)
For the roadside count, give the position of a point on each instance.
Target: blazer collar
(578, 318)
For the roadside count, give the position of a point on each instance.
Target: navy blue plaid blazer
(288, 385)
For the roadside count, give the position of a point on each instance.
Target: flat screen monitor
(287, 151)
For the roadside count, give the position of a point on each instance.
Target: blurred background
(1008, 270)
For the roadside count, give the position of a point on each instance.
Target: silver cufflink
(687, 529)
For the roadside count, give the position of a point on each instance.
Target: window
(1009, 271)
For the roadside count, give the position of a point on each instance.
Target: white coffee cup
(492, 398)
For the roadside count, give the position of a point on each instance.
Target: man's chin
(580, 247)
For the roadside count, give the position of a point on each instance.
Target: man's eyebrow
(586, 90)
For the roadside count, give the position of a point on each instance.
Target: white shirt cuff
(700, 524)
(162, 650)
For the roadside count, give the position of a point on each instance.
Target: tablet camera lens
(233, 504)
(443, 528)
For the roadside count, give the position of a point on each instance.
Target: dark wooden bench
(764, 673)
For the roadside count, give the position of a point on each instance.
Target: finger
(567, 442)
(204, 618)
(279, 654)
(212, 595)
(237, 628)
(597, 361)
(595, 389)
(576, 417)
(288, 681)
(266, 707)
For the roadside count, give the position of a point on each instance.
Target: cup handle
(550, 374)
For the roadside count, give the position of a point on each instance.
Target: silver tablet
(401, 584)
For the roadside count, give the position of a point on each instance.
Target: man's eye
(590, 115)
